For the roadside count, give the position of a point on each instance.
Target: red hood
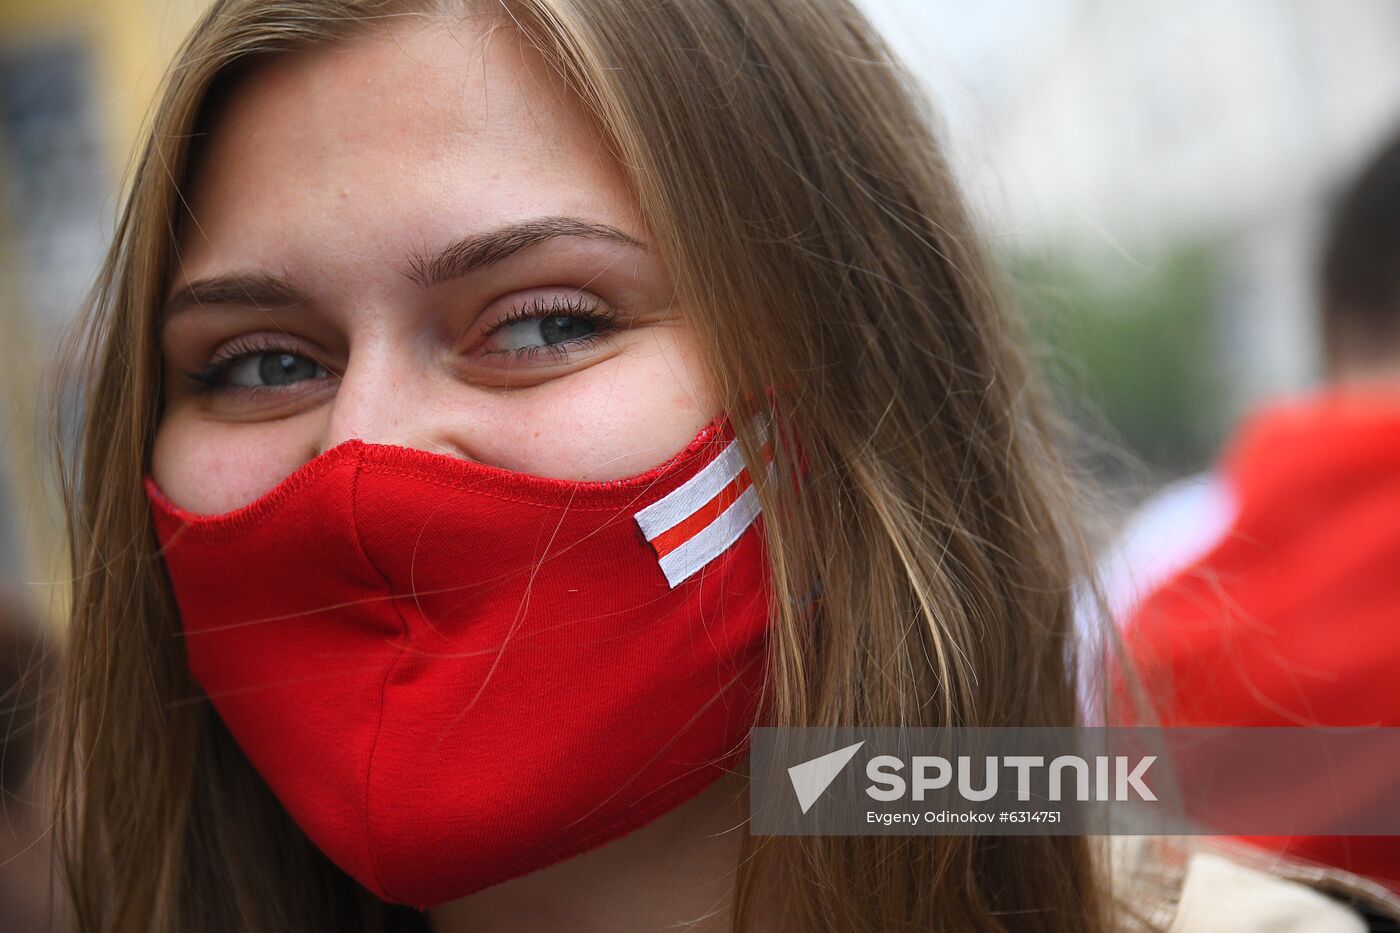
(1297, 462)
(1293, 618)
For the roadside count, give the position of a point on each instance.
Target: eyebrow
(458, 259)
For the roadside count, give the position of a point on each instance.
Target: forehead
(419, 131)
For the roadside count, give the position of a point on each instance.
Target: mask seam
(593, 497)
(640, 493)
(398, 457)
(265, 505)
(388, 672)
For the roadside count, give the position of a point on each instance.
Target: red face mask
(452, 674)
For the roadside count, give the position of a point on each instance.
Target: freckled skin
(333, 167)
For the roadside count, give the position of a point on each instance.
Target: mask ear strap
(775, 428)
(761, 410)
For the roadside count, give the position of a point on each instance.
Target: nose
(385, 396)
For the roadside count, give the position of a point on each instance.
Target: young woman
(494, 411)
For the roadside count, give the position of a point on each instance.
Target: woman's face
(416, 238)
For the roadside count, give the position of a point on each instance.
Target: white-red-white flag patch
(699, 520)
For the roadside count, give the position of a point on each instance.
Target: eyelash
(210, 378)
(604, 319)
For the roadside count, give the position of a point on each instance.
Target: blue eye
(542, 331)
(555, 326)
(258, 369)
(558, 326)
(271, 369)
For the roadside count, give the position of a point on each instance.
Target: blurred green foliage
(1133, 352)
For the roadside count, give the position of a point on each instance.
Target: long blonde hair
(790, 177)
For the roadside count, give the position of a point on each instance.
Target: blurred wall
(76, 80)
(1114, 147)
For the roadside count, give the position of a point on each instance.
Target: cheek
(613, 420)
(208, 468)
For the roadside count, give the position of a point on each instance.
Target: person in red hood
(1290, 614)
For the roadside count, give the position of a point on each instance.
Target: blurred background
(1152, 173)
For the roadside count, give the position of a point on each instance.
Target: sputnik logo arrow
(811, 778)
